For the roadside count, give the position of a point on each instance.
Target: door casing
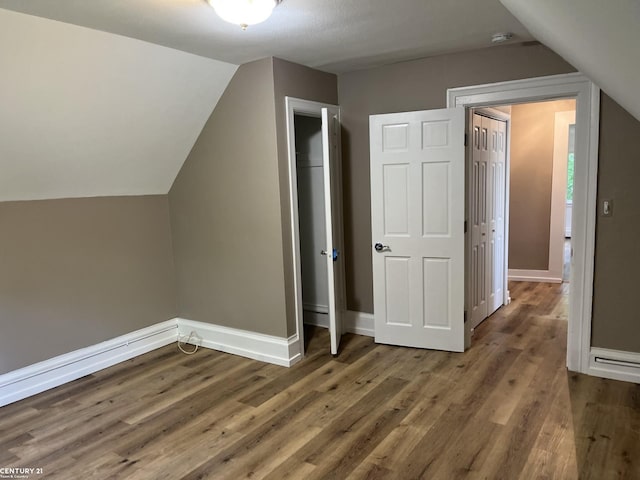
(297, 106)
(587, 95)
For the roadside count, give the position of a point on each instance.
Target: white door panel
(498, 194)
(478, 220)
(487, 222)
(417, 202)
(332, 196)
(491, 127)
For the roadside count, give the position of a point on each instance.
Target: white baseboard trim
(266, 348)
(614, 364)
(309, 307)
(545, 276)
(36, 378)
(353, 322)
(316, 319)
(359, 323)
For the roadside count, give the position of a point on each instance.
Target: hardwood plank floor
(505, 409)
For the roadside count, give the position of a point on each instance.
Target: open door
(497, 168)
(417, 213)
(486, 207)
(478, 221)
(333, 216)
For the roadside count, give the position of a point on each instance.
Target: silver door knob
(335, 254)
(380, 247)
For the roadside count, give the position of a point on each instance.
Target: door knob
(380, 247)
(334, 255)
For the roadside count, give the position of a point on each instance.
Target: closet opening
(311, 220)
(313, 134)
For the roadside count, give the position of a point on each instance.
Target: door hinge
(465, 226)
(466, 140)
(465, 316)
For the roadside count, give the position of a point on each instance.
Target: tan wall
(416, 85)
(616, 322)
(77, 272)
(225, 212)
(230, 203)
(293, 80)
(532, 141)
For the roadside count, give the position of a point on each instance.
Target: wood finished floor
(505, 409)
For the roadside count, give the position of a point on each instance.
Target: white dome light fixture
(244, 12)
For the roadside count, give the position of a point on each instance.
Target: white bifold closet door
(487, 195)
(498, 195)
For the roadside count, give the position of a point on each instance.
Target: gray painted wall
(225, 212)
(76, 272)
(311, 213)
(616, 322)
(532, 141)
(417, 85)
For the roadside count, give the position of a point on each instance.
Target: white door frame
(587, 95)
(298, 106)
(559, 192)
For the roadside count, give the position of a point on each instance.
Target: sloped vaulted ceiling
(88, 113)
(332, 35)
(600, 38)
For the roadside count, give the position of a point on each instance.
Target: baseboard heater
(620, 363)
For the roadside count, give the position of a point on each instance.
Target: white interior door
(333, 206)
(487, 217)
(417, 204)
(497, 169)
(478, 220)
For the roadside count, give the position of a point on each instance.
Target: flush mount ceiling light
(244, 12)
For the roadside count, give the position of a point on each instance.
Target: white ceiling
(599, 38)
(87, 113)
(333, 35)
